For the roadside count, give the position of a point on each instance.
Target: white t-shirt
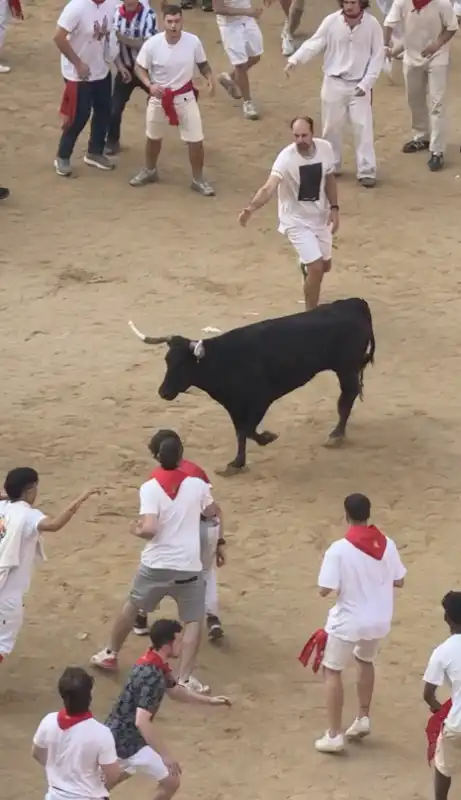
(19, 578)
(445, 667)
(422, 28)
(177, 543)
(74, 757)
(365, 590)
(171, 66)
(91, 36)
(301, 194)
(221, 19)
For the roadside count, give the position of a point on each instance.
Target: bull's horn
(148, 339)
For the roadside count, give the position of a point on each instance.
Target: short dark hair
(169, 9)
(452, 606)
(163, 632)
(363, 4)
(18, 481)
(309, 121)
(158, 438)
(75, 687)
(170, 452)
(357, 507)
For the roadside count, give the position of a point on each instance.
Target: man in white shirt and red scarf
(427, 28)
(9, 9)
(362, 568)
(352, 41)
(165, 65)
(134, 23)
(169, 522)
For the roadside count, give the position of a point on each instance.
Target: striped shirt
(141, 26)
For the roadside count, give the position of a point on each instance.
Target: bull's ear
(198, 349)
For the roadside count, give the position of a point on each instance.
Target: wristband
(334, 208)
(221, 542)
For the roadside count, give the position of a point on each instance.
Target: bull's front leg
(350, 389)
(239, 462)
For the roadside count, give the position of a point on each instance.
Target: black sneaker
(141, 625)
(415, 146)
(214, 627)
(435, 162)
(4, 193)
(112, 148)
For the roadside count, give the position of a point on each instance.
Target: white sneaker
(330, 744)
(288, 45)
(194, 685)
(359, 729)
(106, 659)
(4, 70)
(249, 110)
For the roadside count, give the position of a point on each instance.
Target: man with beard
(353, 46)
(303, 177)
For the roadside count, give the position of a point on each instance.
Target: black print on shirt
(310, 179)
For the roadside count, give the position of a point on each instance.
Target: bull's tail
(369, 358)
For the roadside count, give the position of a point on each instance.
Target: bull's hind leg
(263, 438)
(350, 389)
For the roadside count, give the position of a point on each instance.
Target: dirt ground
(79, 401)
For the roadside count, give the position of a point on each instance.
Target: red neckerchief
(317, 642)
(152, 658)
(419, 4)
(16, 9)
(192, 471)
(368, 539)
(169, 479)
(66, 721)
(434, 728)
(130, 15)
(354, 16)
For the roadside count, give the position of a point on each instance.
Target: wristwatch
(334, 208)
(221, 542)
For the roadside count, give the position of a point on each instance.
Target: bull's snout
(167, 395)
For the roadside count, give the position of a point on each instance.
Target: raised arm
(53, 524)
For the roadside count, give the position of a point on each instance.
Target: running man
(445, 667)
(212, 547)
(8, 9)
(362, 568)
(303, 177)
(132, 719)
(134, 23)
(169, 523)
(77, 752)
(352, 41)
(243, 42)
(21, 529)
(166, 65)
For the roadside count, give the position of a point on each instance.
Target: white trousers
(4, 17)
(209, 535)
(426, 89)
(339, 103)
(11, 619)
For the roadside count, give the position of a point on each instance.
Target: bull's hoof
(231, 470)
(266, 437)
(334, 441)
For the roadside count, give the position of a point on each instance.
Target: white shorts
(146, 761)
(311, 244)
(338, 652)
(190, 120)
(242, 39)
(447, 759)
(11, 619)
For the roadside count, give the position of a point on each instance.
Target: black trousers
(120, 97)
(92, 96)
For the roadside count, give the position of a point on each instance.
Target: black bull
(246, 369)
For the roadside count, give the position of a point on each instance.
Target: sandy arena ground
(81, 257)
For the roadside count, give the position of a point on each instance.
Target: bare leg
(295, 15)
(167, 788)
(334, 700)
(189, 649)
(365, 685)
(240, 76)
(152, 152)
(313, 276)
(441, 785)
(196, 158)
(122, 626)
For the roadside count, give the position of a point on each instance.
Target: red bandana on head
(419, 4)
(153, 659)
(368, 539)
(169, 479)
(66, 721)
(129, 15)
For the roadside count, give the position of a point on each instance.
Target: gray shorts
(150, 586)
